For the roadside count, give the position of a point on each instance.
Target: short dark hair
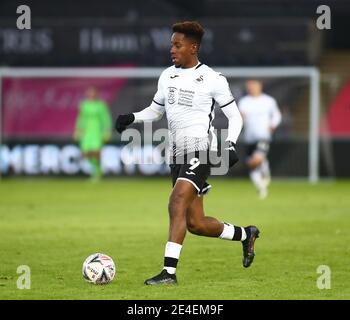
(191, 29)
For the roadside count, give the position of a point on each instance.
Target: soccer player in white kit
(187, 93)
(261, 117)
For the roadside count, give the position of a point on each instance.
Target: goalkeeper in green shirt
(93, 129)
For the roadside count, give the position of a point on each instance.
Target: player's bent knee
(253, 165)
(255, 161)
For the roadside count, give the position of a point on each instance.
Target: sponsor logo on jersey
(174, 76)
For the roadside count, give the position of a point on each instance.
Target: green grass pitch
(52, 225)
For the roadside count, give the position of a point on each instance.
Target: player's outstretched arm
(79, 124)
(235, 124)
(223, 97)
(276, 116)
(151, 113)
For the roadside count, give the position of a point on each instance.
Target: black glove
(123, 121)
(232, 154)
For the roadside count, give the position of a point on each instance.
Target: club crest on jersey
(199, 79)
(172, 95)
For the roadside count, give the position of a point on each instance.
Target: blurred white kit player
(261, 117)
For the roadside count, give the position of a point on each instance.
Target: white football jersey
(260, 114)
(188, 96)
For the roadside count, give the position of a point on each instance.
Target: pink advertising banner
(40, 108)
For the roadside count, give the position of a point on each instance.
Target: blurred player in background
(93, 129)
(261, 117)
(187, 92)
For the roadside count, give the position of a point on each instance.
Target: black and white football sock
(232, 232)
(171, 257)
